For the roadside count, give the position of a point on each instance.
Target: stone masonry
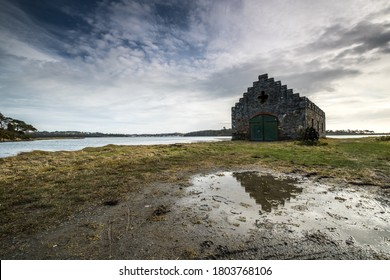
(269, 111)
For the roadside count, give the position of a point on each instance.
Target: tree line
(349, 132)
(13, 129)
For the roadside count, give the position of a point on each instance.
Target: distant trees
(222, 132)
(2, 121)
(349, 132)
(12, 129)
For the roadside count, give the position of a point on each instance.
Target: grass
(39, 190)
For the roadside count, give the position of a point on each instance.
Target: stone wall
(315, 117)
(270, 97)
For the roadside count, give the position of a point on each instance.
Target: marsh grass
(39, 190)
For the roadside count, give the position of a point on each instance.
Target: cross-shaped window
(263, 97)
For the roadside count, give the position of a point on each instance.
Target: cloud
(319, 80)
(358, 40)
(127, 65)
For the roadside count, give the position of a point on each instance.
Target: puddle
(266, 190)
(243, 202)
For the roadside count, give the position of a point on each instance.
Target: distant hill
(349, 132)
(222, 132)
(80, 134)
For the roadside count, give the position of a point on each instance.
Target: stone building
(269, 111)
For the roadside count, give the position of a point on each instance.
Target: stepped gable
(270, 111)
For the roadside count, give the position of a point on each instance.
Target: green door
(264, 128)
(257, 132)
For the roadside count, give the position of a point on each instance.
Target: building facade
(269, 111)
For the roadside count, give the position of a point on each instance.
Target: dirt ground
(166, 221)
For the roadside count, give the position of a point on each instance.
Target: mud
(243, 202)
(258, 214)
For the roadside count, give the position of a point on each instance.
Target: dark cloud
(174, 14)
(359, 39)
(54, 13)
(319, 80)
(47, 26)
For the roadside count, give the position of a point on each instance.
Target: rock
(207, 244)
(341, 199)
(336, 216)
(299, 207)
(161, 210)
(242, 219)
(204, 207)
(111, 202)
(245, 205)
(350, 241)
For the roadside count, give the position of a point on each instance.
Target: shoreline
(340, 137)
(15, 140)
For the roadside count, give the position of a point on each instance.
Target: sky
(132, 66)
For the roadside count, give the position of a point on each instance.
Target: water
(13, 148)
(245, 201)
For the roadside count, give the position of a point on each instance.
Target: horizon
(146, 67)
(362, 131)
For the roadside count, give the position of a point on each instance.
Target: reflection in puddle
(267, 191)
(241, 202)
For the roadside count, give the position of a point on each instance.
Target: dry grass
(39, 190)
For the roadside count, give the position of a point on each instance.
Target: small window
(263, 96)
